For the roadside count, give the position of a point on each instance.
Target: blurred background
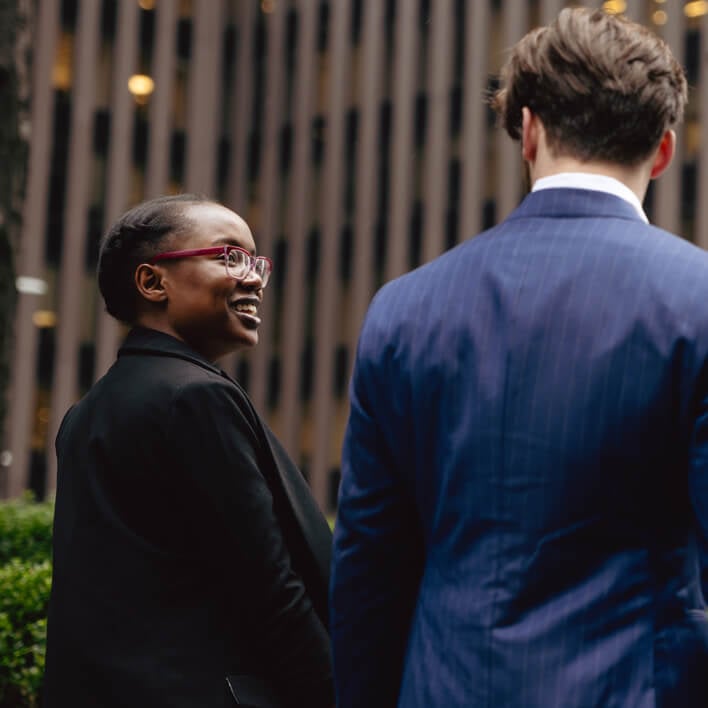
(352, 135)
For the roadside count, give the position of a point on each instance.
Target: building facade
(352, 135)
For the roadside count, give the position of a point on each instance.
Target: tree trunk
(15, 48)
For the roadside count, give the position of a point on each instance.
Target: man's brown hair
(604, 88)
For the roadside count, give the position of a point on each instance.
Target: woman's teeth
(248, 308)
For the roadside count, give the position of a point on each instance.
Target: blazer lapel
(313, 527)
(305, 529)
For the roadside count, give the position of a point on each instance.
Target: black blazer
(186, 545)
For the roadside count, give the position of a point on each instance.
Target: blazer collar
(571, 203)
(141, 340)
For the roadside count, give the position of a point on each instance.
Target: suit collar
(596, 182)
(571, 203)
(141, 340)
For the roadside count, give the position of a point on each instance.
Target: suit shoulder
(417, 283)
(404, 298)
(696, 255)
(671, 254)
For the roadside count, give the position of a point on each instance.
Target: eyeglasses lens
(262, 268)
(238, 265)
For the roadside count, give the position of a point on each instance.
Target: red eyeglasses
(238, 261)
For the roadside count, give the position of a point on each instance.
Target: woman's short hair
(133, 239)
(604, 88)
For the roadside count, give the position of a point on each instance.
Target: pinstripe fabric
(524, 468)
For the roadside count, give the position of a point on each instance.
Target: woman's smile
(247, 310)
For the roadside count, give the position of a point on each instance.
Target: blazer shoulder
(218, 396)
(179, 386)
(173, 371)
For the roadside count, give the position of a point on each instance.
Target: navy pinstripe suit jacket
(525, 471)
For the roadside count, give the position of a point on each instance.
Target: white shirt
(597, 183)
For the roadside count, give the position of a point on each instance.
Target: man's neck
(636, 178)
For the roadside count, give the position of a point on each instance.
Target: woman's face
(205, 307)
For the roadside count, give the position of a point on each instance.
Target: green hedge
(25, 531)
(25, 580)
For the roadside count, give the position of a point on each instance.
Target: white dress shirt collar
(597, 183)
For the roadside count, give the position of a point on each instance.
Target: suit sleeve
(376, 564)
(698, 486)
(216, 445)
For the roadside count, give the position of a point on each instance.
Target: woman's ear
(148, 281)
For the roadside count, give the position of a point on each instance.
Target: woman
(187, 548)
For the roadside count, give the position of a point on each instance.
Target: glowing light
(61, 71)
(696, 8)
(659, 17)
(29, 285)
(614, 7)
(44, 319)
(147, 4)
(268, 6)
(141, 86)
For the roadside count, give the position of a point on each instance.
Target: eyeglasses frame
(213, 250)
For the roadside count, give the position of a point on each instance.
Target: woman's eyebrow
(231, 241)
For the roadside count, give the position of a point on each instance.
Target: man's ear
(664, 154)
(148, 281)
(529, 134)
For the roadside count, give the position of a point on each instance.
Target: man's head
(604, 88)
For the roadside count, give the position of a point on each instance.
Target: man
(525, 470)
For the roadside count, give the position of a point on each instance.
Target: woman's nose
(252, 279)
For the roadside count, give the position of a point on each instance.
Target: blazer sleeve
(377, 548)
(216, 445)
